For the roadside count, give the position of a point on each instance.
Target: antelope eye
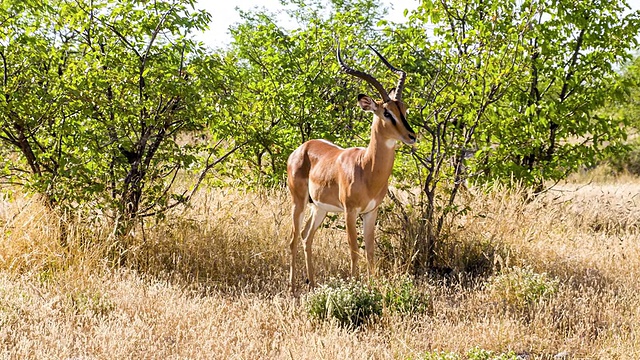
(387, 114)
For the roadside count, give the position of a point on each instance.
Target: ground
(558, 274)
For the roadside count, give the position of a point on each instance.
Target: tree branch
(208, 167)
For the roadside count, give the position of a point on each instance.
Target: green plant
(628, 162)
(473, 354)
(100, 102)
(509, 90)
(350, 303)
(90, 303)
(520, 288)
(440, 355)
(403, 297)
(481, 354)
(285, 84)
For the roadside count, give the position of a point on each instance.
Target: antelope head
(389, 112)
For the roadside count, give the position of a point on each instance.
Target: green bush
(403, 297)
(441, 355)
(521, 288)
(630, 161)
(481, 354)
(350, 303)
(473, 354)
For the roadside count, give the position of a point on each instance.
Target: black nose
(412, 136)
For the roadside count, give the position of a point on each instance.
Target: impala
(353, 180)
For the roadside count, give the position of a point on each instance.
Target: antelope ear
(392, 93)
(367, 103)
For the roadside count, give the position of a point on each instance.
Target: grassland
(556, 276)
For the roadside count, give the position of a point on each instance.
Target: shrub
(521, 288)
(89, 303)
(403, 297)
(473, 354)
(481, 354)
(628, 162)
(441, 355)
(350, 303)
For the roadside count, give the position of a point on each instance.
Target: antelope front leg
(351, 218)
(369, 227)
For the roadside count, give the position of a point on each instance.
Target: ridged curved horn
(402, 74)
(362, 75)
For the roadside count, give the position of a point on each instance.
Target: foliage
(627, 109)
(353, 303)
(507, 90)
(629, 162)
(105, 104)
(90, 304)
(402, 296)
(503, 90)
(99, 99)
(521, 288)
(520, 84)
(286, 84)
(350, 303)
(481, 354)
(440, 355)
(473, 354)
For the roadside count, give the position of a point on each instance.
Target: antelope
(353, 180)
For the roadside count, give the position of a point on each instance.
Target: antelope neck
(379, 156)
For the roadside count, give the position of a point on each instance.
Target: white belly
(371, 205)
(323, 206)
(328, 207)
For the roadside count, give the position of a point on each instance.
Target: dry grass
(211, 282)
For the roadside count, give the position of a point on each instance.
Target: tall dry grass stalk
(559, 274)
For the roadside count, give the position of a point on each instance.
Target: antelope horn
(364, 76)
(402, 74)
